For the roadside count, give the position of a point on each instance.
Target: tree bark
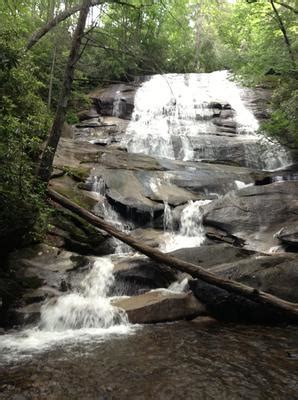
(45, 167)
(288, 309)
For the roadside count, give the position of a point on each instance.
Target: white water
(173, 110)
(85, 312)
(191, 232)
(88, 307)
(104, 209)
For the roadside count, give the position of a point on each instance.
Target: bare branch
(286, 6)
(63, 16)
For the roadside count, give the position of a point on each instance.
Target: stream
(84, 347)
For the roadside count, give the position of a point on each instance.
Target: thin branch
(63, 16)
(286, 6)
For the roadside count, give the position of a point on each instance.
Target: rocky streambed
(183, 171)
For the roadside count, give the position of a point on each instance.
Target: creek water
(84, 348)
(183, 360)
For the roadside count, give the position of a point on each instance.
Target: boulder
(276, 274)
(289, 237)
(161, 306)
(227, 306)
(43, 265)
(138, 273)
(88, 114)
(256, 214)
(214, 254)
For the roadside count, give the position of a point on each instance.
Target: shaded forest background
(256, 40)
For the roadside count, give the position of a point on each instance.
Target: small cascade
(111, 216)
(168, 222)
(242, 185)
(88, 307)
(191, 232)
(191, 219)
(98, 185)
(104, 209)
(117, 111)
(179, 287)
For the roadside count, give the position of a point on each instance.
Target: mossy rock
(78, 235)
(66, 186)
(79, 174)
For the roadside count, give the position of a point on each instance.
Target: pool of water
(183, 360)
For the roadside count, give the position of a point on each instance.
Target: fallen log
(288, 310)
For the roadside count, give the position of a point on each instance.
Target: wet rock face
(256, 214)
(115, 100)
(42, 272)
(228, 306)
(289, 237)
(73, 234)
(213, 254)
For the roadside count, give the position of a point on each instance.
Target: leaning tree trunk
(45, 167)
(284, 32)
(279, 306)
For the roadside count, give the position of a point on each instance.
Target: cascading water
(176, 117)
(85, 312)
(191, 232)
(103, 208)
(88, 307)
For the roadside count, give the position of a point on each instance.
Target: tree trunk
(52, 77)
(62, 17)
(279, 306)
(45, 167)
(284, 32)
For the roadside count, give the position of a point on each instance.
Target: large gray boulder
(276, 274)
(256, 214)
(289, 237)
(135, 274)
(161, 306)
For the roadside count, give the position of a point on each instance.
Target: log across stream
(225, 298)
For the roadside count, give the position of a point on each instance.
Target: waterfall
(88, 307)
(104, 209)
(168, 222)
(191, 232)
(98, 185)
(198, 117)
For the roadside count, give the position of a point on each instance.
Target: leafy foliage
(23, 125)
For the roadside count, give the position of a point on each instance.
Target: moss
(72, 192)
(79, 174)
(76, 226)
(78, 235)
